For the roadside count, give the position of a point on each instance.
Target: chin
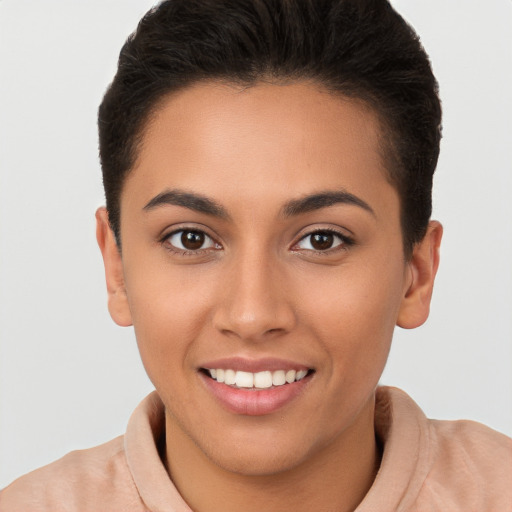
(258, 462)
(267, 450)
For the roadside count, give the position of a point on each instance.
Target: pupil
(192, 240)
(322, 241)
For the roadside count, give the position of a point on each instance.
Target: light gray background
(69, 378)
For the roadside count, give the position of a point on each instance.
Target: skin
(258, 288)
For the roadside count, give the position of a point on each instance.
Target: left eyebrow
(323, 200)
(192, 201)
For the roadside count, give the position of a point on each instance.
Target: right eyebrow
(190, 200)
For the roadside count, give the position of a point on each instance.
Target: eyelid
(186, 226)
(346, 240)
(171, 231)
(208, 240)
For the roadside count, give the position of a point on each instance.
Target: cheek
(168, 311)
(354, 315)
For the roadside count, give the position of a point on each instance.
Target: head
(268, 168)
(354, 49)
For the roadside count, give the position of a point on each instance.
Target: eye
(190, 240)
(322, 241)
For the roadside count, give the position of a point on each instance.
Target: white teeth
(229, 377)
(290, 376)
(263, 380)
(244, 379)
(301, 374)
(278, 378)
(259, 380)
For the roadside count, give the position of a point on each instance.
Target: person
(268, 170)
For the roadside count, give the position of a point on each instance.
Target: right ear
(117, 299)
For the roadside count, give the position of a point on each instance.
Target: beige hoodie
(427, 465)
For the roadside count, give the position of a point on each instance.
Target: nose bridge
(255, 303)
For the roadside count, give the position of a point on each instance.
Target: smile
(255, 388)
(259, 380)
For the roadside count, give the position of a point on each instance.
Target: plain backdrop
(69, 378)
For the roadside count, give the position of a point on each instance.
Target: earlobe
(117, 300)
(415, 306)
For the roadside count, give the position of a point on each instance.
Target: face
(262, 267)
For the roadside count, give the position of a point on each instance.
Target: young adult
(268, 170)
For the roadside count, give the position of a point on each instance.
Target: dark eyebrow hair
(190, 200)
(322, 200)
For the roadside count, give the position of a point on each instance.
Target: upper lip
(254, 365)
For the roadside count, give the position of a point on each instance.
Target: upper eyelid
(343, 233)
(171, 230)
(314, 227)
(165, 242)
(346, 240)
(325, 230)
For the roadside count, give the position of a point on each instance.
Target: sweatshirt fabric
(427, 465)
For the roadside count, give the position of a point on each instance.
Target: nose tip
(255, 305)
(252, 326)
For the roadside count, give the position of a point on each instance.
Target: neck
(337, 477)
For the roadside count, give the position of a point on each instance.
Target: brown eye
(190, 240)
(322, 241)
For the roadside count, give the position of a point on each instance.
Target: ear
(422, 269)
(117, 300)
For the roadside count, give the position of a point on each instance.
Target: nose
(255, 303)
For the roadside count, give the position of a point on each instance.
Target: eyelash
(166, 241)
(344, 242)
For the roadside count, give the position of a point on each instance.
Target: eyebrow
(190, 200)
(323, 200)
(309, 203)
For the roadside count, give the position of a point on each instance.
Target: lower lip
(251, 402)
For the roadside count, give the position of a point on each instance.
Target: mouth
(257, 381)
(256, 393)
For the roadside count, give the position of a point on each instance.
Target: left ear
(423, 266)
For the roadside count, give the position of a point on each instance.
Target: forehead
(267, 140)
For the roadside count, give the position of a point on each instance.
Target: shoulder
(470, 466)
(431, 465)
(77, 482)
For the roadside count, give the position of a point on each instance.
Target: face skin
(250, 175)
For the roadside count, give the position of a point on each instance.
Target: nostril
(249, 319)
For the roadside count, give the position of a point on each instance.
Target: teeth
(278, 378)
(260, 380)
(301, 374)
(263, 380)
(244, 379)
(290, 376)
(229, 377)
